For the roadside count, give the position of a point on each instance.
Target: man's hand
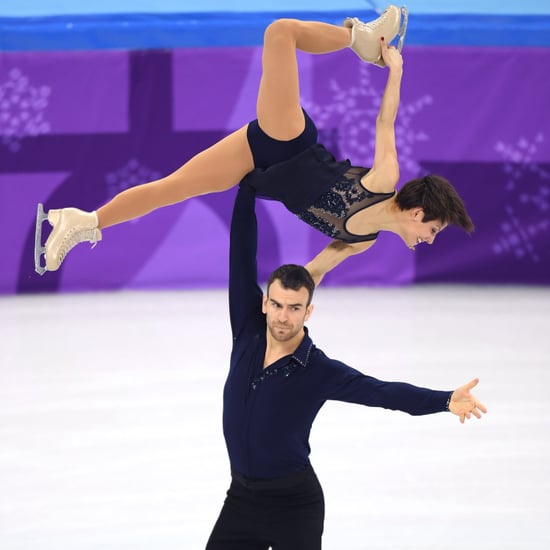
(464, 404)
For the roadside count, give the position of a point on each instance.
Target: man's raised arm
(244, 293)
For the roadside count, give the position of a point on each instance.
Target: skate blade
(39, 249)
(403, 29)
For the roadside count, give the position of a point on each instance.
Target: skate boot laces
(77, 235)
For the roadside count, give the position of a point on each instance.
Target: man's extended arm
(344, 383)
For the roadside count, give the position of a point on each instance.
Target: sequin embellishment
(286, 371)
(328, 214)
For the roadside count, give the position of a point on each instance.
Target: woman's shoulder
(380, 181)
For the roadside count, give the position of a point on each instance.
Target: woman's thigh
(278, 106)
(220, 167)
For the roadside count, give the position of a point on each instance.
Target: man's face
(286, 311)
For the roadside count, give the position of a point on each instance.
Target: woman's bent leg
(278, 107)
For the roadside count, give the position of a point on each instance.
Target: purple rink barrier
(77, 127)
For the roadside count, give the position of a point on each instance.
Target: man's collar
(303, 351)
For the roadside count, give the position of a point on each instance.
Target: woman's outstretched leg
(215, 169)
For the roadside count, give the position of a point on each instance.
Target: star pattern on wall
(527, 211)
(23, 107)
(353, 109)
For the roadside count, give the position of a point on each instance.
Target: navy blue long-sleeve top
(268, 413)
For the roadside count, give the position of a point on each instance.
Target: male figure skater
(278, 380)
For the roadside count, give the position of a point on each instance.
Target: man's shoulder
(252, 325)
(321, 359)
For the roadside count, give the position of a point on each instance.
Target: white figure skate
(365, 37)
(70, 227)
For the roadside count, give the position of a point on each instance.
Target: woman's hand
(391, 56)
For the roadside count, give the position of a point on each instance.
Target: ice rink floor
(110, 420)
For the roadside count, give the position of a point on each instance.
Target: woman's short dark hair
(293, 277)
(439, 200)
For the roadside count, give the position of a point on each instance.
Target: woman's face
(417, 231)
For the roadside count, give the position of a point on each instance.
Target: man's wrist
(449, 399)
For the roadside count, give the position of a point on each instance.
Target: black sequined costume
(332, 210)
(321, 191)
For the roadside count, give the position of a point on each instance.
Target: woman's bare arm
(385, 168)
(332, 255)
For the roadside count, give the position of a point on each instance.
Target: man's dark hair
(439, 200)
(294, 277)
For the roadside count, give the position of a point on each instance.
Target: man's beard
(284, 335)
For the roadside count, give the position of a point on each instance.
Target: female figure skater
(278, 155)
